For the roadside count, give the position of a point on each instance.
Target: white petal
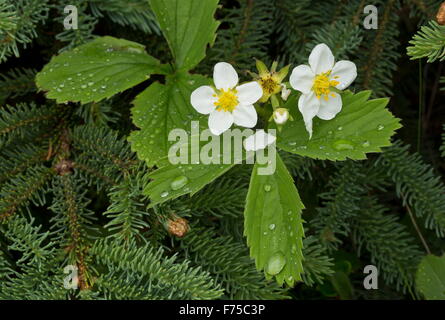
(321, 59)
(202, 99)
(285, 92)
(302, 78)
(308, 104)
(224, 76)
(220, 121)
(245, 116)
(259, 140)
(329, 109)
(249, 93)
(346, 71)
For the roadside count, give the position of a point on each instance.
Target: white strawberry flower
(259, 140)
(229, 103)
(317, 81)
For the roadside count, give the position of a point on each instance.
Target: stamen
(227, 100)
(269, 84)
(322, 85)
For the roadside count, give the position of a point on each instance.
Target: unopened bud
(178, 226)
(281, 115)
(440, 17)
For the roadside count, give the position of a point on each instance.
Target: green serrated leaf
(363, 126)
(430, 277)
(97, 70)
(160, 109)
(273, 224)
(173, 181)
(188, 26)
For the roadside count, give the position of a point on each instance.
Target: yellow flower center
(270, 85)
(227, 100)
(322, 85)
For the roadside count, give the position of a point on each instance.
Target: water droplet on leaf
(276, 263)
(343, 145)
(179, 182)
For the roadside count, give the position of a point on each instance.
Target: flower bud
(440, 17)
(281, 115)
(178, 226)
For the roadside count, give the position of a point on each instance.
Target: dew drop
(267, 187)
(164, 194)
(179, 182)
(272, 226)
(276, 263)
(343, 145)
(366, 144)
(340, 128)
(380, 127)
(83, 86)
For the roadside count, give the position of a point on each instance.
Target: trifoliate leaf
(159, 110)
(188, 26)
(430, 277)
(361, 127)
(273, 224)
(97, 70)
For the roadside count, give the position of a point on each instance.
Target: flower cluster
(228, 102)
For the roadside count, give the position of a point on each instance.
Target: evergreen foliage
(77, 189)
